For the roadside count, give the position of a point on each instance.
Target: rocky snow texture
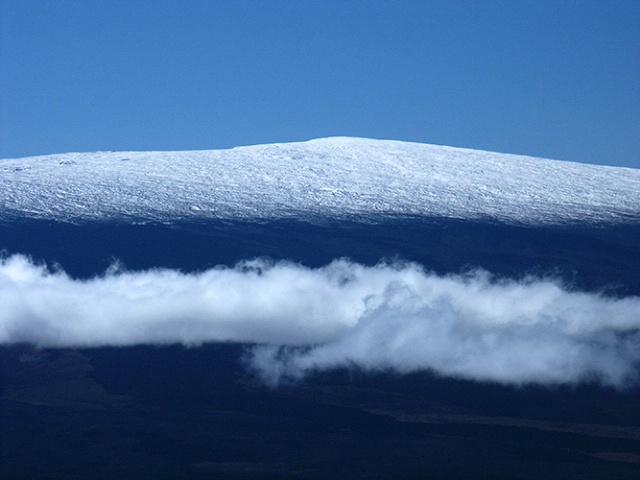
(332, 178)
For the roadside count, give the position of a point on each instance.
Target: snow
(332, 178)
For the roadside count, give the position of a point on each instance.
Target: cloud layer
(391, 317)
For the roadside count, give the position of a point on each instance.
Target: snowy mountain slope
(335, 178)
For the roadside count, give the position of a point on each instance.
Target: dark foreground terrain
(174, 412)
(171, 412)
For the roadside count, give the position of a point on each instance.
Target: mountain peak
(331, 178)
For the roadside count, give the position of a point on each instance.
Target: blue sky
(556, 79)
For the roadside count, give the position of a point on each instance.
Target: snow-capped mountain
(332, 178)
(421, 291)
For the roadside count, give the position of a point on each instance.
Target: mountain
(339, 307)
(333, 178)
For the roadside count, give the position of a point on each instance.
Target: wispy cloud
(392, 317)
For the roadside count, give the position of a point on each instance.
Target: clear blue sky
(557, 79)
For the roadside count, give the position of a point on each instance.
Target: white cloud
(388, 317)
